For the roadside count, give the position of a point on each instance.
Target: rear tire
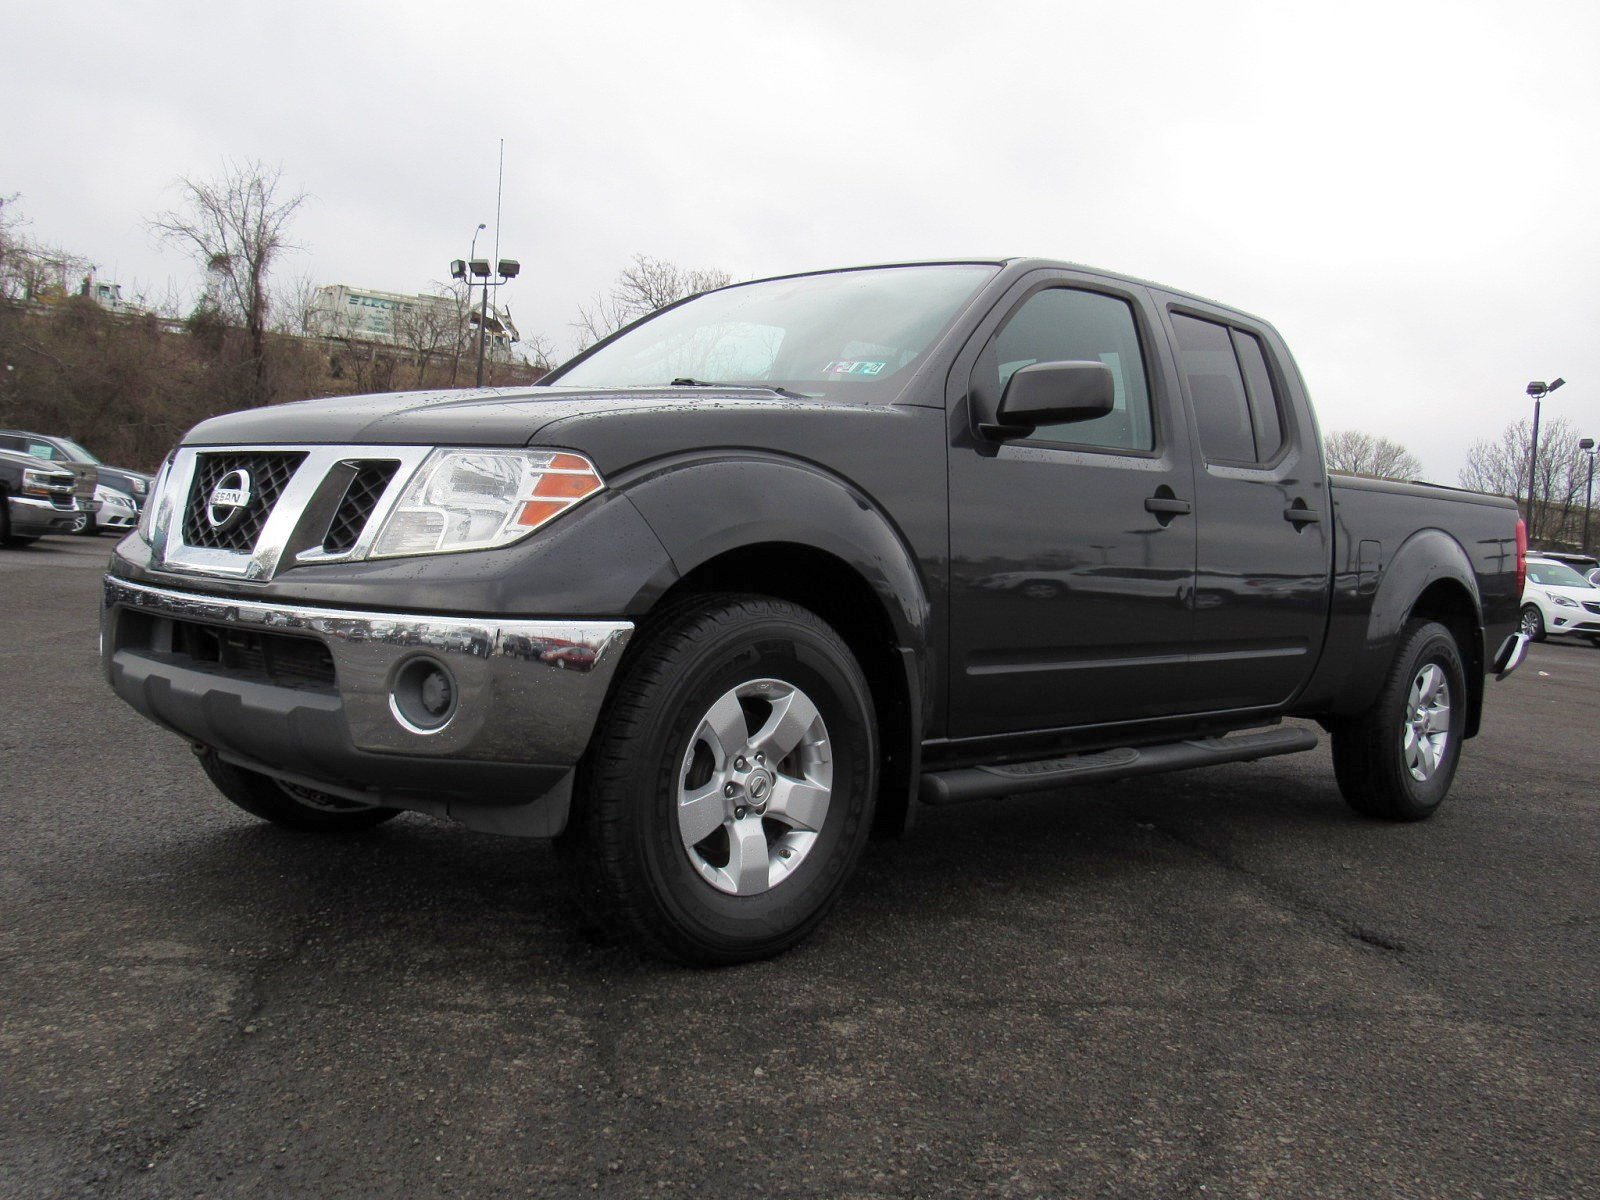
(288, 805)
(1532, 623)
(729, 788)
(1396, 760)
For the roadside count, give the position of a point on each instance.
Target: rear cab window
(1236, 403)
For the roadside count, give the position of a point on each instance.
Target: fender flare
(766, 498)
(1427, 557)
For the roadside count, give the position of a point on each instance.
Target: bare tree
(648, 285)
(539, 352)
(236, 226)
(431, 327)
(30, 270)
(1360, 453)
(1500, 466)
(293, 308)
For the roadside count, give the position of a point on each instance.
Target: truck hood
(476, 417)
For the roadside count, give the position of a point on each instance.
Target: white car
(1557, 600)
(118, 513)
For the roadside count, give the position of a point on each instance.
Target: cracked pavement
(1219, 984)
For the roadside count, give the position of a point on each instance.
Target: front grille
(1592, 605)
(272, 657)
(360, 498)
(268, 473)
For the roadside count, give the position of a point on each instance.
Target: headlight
(1563, 601)
(37, 483)
(481, 499)
(147, 518)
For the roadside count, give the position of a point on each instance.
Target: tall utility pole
(1538, 390)
(1587, 446)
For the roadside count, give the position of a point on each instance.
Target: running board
(977, 783)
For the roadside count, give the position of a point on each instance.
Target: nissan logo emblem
(228, 499)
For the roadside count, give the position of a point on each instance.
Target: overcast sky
(1409, 191)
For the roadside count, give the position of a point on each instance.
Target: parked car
(36, 498)
(118, 513)
(65, 450)
(720, 596)
(1557, 601)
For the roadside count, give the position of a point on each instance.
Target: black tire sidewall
(1431, 643)
(695, 918)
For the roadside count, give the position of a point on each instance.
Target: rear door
(1071, 551)
(1262, 510)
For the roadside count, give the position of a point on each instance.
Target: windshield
(1553, 574)
(76, 452)
(847, 332)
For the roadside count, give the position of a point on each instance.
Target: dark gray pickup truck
(775, 565)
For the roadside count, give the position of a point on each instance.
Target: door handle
(1167, 506)
(1299, 514)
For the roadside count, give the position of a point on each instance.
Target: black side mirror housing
(1056, 393)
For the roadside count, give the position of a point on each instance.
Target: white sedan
(1557, 600)
(118, 512)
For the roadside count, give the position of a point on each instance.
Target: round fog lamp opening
(423, 695)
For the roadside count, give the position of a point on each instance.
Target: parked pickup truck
(36, 498)
(779, 563)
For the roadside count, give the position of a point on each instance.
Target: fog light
(423, 695)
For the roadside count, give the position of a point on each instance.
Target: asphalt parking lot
(1215, 984)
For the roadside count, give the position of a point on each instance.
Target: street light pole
(1587, 445)
(469, 269)
(1538, 390)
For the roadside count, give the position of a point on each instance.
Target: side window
(1264, 404)
(1235, 404)
(1066, 325)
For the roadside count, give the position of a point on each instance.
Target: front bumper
(31, 518)
(527, 696)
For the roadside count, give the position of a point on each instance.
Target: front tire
(1396, 760)
(289, 805)
(729, 789)
(1533, 623)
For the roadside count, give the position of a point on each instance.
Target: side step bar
(978, 783)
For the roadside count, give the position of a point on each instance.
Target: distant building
(366, 314)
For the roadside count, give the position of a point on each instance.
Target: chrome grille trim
(283, 527)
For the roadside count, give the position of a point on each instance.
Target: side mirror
(1055, 393)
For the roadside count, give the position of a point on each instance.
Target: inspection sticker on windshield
(858, 366)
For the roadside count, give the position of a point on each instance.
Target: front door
(1072, 558)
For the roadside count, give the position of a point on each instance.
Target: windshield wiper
(685, 381)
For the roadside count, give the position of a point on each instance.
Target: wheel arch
(782, 528)
(1430, 578)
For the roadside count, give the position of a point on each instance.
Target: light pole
(506, 270)
(1538, 390)
(1587, 446)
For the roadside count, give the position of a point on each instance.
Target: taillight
(1522, 555)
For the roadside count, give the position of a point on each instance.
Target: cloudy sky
(1410, 191)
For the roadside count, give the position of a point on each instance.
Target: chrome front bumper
(30, 517)
(527, 692)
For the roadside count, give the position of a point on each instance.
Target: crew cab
(782, 562)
